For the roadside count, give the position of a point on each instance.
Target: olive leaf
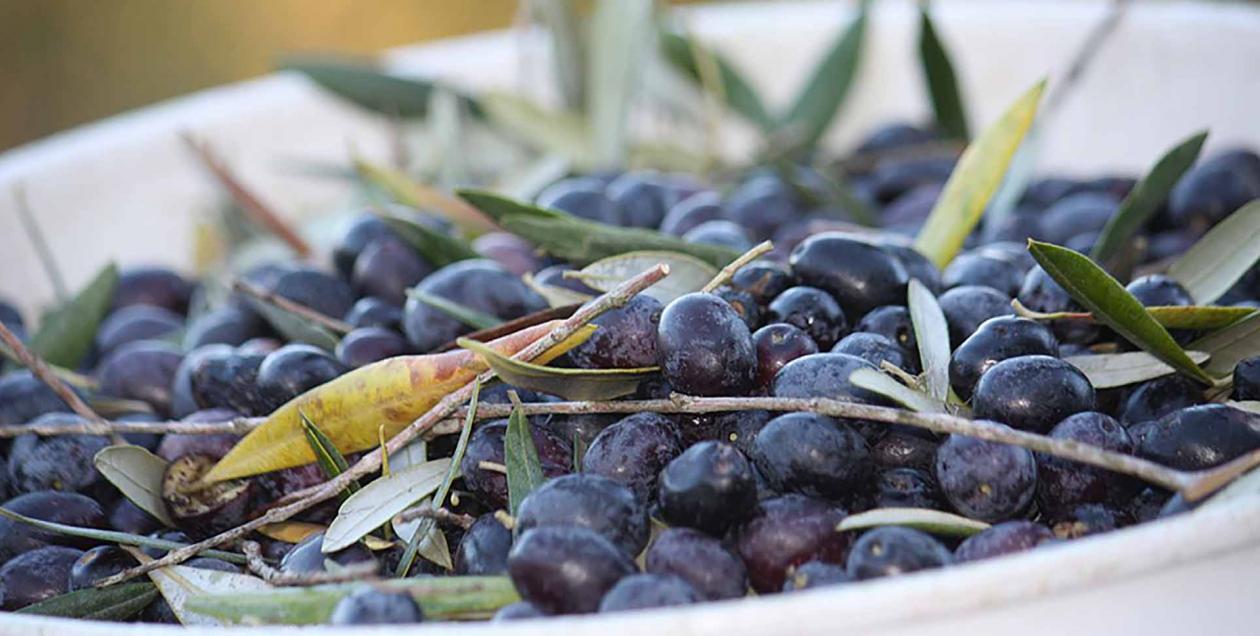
(580, 241)
(620, 31)
(352, 408)
(815, 106)
(1217, 260)
(560, 133)
(524, 470)
(1146, 197)
(443, 598)
(568, 47)
(1251, 406)
(438, 248)
(137, 474)
(330, 460)
(1109, 370)
(179, 583)
(686, 273)
(295, 327)
(466, 315)
(66, 333)
(885, 385)
(931, 332)
(422, 538)
(571, 384)
(974, 180)
(113, 536)
(410, 193)
(368, 86)
(942, 82)
(925, 519)
(1113, 305)
(1230, 345)
(682, 51)
(1198, 317)
(113, 603)
(377, 503)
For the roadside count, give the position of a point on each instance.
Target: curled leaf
(1113, 305)
(571, 384)
(925, 519)
(975, 179)
(137, 474)
(351, 408)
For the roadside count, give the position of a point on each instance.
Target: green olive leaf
(438, 248)
(571, 384)
(942, 82)
(925, 519)
(443, 598)
(378, 502)
(1217, 260)
(816, 105)
(113, 536)
(466, 315)
(682, 51)
(932, 334)
(368, 86)
(1198, 317)
(620, 31)
(113, 603)
(568, 47)
(1109, 370)
(1231, 345)
(975, 179)
(885, 385)
(137, 474)
(294, 327)
(1146, 197)
(66, 333)
(330, 460)
(686, 273)
(1113, 305)
(524, 469)
(580, 241)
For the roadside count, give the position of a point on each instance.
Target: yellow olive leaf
(351, 409)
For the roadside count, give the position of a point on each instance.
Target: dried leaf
(942, 83)
(443, 598)
(137, 474)
(1217, 260)
(885, 385)
(377, 503)
(1108, 370)
(571, 384)
(814, 108)
(1113, 305)
(351, 408)
(932, 334)
(66, 333)
(686, 273)
(975, 179)
(114, 603)
(524, 470)
(1146, 197)
(925, 519)
(580, 241)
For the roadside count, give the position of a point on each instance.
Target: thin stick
(238, 426)
(354, 572)
(97, 424)
(260, 212)
(440, 515)
(724, 276)
(370, 462)
(271, 298)
(40, 243)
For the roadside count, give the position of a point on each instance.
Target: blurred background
(66, 62)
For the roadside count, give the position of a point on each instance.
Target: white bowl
(126, 189)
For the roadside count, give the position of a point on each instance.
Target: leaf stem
(306, 498)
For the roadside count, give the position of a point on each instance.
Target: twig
(97, 424)
(40, 243)
(494, 467)
(238, 426)
(260, 212)
(1085, 56)
(724, 276)
(440, 515)
(370, 462)
(271, 298)
(365, 571)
